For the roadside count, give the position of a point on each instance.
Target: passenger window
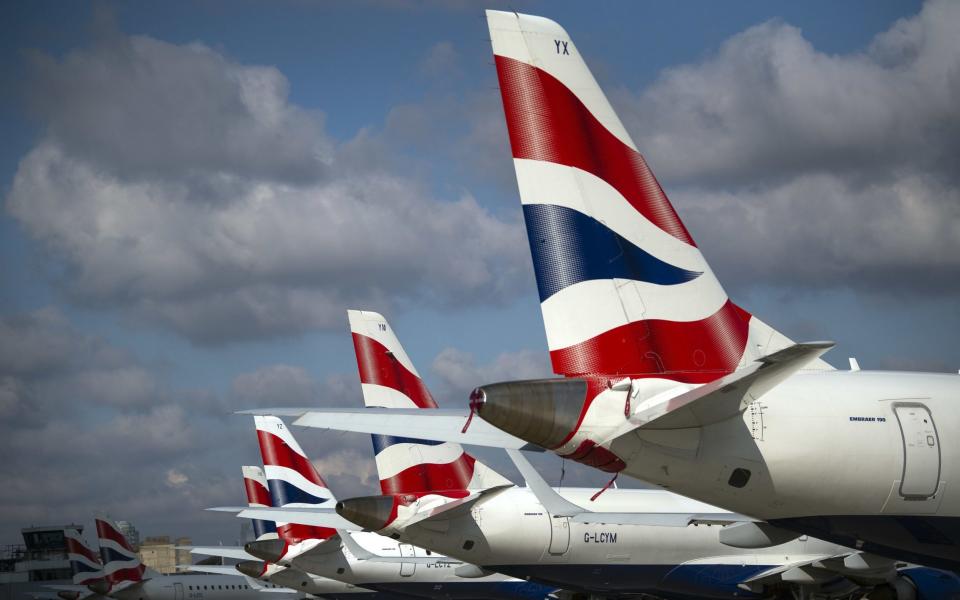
(468, 545)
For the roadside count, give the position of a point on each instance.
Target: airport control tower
(40, 561)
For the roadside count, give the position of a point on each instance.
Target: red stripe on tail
(276, 452)
(691, 352)
(378, 366)
(256, 492)
(108, 531)
(431, 478)
(548, 122)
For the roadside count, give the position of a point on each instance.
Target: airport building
(160, 553)
(40, 561)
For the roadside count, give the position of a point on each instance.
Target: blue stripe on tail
(569, 247)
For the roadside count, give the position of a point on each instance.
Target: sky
(194, 193)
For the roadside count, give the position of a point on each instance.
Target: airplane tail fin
(120, 561)
(258, 495)
(389, 379)
(84, 562)
(624, 289)
(292, 479)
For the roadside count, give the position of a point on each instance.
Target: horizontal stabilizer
(212, 569)
(451, 510)
(236, 552)
(256, 585)
(727, 396)
(558, 506)
(318, 517)
(441, 425)
(362, 553)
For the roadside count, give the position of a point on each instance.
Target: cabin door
(559, 534)
(407, 568)
(921, 451)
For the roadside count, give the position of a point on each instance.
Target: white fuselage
(511, 532)
(194, 587)
(435, 578)
(325, 587)
(862, 458)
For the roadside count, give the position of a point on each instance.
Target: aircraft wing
(559, 506)
(859, 566)
(658, 519)
(442, 425)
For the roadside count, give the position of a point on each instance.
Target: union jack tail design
(84, 562)
(292, 479)
(389, 379)
(624, 290)
(258, 495)
(120, 562)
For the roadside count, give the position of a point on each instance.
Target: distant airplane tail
(84, 562)
(292, 479)
(258, 495)
(624, 290)
(120, 561)
(389, 379)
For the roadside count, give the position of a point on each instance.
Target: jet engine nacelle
(541, 411)
(268, 550)
(373, 513)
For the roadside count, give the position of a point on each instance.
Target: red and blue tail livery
(409, 467)
(120, 562)
(291, 478)
(258, 495)
(624, 289)
(84, 562)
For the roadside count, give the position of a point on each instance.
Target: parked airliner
(606, 544)
(363, 559)
(664, 377)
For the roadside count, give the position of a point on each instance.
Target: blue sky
(181, 181)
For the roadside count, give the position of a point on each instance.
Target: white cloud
(140, 107)
(225, 212)
(275, 385)
(175, 478)
(797, 168)
(347, 463)
(768, 104)
(460, 373)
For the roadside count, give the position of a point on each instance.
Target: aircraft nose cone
(268, 550)
(251, 568)
(543, 411)
(370, 512)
